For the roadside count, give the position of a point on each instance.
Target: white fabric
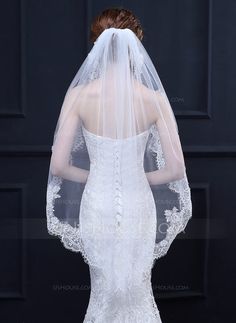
(121, 287)
(117, 190)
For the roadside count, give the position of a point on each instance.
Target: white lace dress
(118, 231)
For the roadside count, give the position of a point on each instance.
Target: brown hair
(117, 18)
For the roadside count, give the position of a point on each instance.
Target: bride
(117, 189)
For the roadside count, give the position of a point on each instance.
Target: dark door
(192, 45)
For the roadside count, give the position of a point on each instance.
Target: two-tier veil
(117, 95)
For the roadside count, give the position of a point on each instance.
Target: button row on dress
(118, 193)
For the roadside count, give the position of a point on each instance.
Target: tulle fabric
(116, 109)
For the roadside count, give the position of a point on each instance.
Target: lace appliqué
(69, 236)
(154, 145)
(136, 305)
(79, 142)
(176, 219)
(121, 292)
(95, 62)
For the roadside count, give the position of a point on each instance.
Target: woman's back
(117, 186)
(118, 229)
(91, 111)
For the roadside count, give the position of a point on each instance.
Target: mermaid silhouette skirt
(118, 230)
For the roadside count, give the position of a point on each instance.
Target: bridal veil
(117, 94)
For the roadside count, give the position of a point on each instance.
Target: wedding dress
(117, 189)
(121, 287)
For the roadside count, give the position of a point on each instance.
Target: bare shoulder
(147, 93)
(81, 94)
(152, 100)
(73, 92)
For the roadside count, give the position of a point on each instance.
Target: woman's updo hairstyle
(116, 18)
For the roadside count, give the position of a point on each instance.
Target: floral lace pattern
(121, 288)
(177, 219)
(136, 304)
(69, 235)
(121, 258)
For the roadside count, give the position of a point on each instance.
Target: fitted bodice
(117, 178)
(109, 156)
(118, 229)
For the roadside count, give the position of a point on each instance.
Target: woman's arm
(174, 168)
(69, 120)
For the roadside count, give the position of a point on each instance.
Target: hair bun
(117, 18)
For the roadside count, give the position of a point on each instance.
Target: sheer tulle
(117, 191)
